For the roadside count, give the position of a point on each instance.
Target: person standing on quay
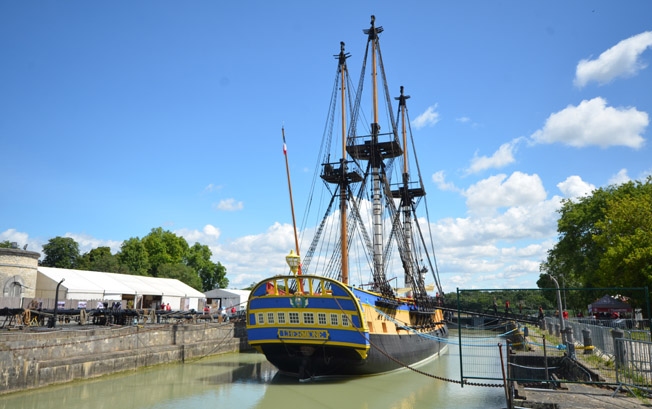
(507, 307)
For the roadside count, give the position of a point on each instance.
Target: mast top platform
(373, 31)
(342, 56)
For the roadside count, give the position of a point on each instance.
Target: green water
(247, 380)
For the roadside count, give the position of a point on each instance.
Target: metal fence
(615, 352)
(633, 362)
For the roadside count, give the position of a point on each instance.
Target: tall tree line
(159, 254)
(605, 240)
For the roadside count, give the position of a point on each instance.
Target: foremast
(340, 176)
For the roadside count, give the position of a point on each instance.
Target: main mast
(343, 190)
(376, 159)
(375, 148)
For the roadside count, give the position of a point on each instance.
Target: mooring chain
(441, 378)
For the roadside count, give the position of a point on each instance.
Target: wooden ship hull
(341, 331)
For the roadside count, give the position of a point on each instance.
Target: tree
(133, 256)
(5, 244)
(212, 275)
(626, 234)
(603, 241)
(100, 259)
(164, 247)
(182, 273)
(61, 252)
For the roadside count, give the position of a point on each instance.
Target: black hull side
(307, 361)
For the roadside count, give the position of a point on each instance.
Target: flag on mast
(285, 148)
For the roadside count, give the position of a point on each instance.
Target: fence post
(459, 334)
(502, 366)
(570, 344)
(618, 347)
(545, 360)
(588, 342)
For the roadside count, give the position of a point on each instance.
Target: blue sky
(119, 117)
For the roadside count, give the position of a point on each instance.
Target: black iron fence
(548, 345)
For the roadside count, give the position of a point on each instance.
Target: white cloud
(440, 180)
(14, 236)
(208, 235)
(428, 118)
(463, 119)
(574, 187)
(254, 257)
(621, 60)
(496, 191)
(229, 205)
(85, 241)
(594, 123)
(212, 188)
(619, 178)
(502, 157)
(22, 239)
(88, 243)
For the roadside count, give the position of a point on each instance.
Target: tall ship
(339, 311)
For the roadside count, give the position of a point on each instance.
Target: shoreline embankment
(34, 359)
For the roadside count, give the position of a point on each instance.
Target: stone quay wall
(34, 359)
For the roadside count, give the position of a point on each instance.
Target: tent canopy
(609, 304)
(95, 284)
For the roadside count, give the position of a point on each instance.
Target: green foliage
(61, 252)
(164, 247)
(483, 301)
(182, 273)
(626, 236)
(100, 259)
(160, 254)
(605, 240)
(133, 256)
(5, 244)
(212, 275)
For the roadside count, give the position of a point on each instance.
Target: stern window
(281, 317)
(345, 320)
(334, 321)
(261, 318)
(294, 318)
(270, 317)
(308, 318)
(321, 318)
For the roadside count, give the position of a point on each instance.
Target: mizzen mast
(287, 168)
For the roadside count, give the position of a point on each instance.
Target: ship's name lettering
(302, 334)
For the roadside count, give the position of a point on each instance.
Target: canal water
(247, 380)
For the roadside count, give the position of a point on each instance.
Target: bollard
(550, 328)
(588, 342)
(570, 344)
(619, 353)
(557, 331)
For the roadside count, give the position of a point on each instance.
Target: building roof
(82, 281)
(226, 293)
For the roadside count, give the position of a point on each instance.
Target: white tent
(95, 285)
(227, 298)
